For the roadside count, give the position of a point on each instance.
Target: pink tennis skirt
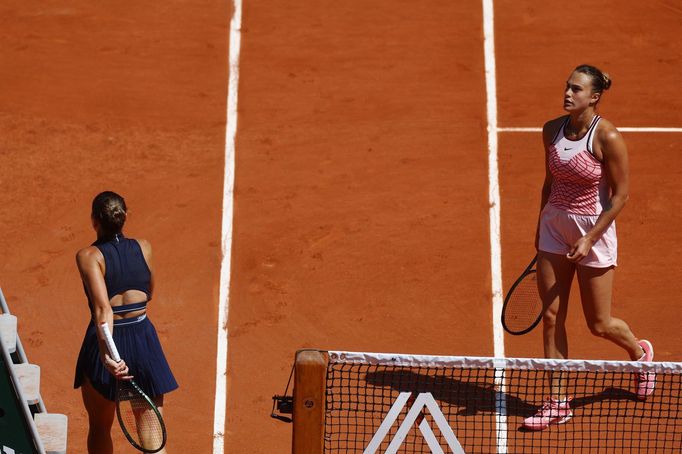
(559, 230)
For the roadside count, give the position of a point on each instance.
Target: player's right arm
(549, 130)
(90, 264)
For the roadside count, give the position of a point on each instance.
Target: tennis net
(388, 403)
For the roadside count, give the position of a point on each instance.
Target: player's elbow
(101, 312)
(624, 198)
(619, 199)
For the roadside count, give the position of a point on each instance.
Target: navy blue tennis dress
(135, 338)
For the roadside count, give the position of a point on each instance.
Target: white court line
(494, 214)
(623, 129)
(493, 179)
(226, 243)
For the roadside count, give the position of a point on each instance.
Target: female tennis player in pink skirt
(118, 280)
(586, 186)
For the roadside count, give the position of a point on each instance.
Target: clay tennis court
(361, 209)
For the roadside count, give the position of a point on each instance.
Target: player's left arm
(615, 157)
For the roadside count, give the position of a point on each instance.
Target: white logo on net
(423, 400)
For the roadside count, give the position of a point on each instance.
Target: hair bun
(607, 80)
(118, 213)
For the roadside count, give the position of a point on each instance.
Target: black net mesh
(485, 409)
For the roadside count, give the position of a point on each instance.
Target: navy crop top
(125, 267)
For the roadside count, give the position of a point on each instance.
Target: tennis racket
(140, 420)
(522, 310)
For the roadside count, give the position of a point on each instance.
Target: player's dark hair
(600, 80)
(109, 209)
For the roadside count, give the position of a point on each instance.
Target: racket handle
(104, 329)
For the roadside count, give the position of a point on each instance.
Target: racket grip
(109, 340)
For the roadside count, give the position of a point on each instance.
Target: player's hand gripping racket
(139, 418)
(522, 310)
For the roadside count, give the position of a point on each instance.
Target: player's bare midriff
(128, 297)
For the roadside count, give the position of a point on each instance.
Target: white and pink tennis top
(579, 180)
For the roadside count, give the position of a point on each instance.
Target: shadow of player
(470, 397)
(477, 395)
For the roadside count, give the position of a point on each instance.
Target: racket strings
(524, 306)
(139, 421)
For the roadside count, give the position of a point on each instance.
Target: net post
(310, 375)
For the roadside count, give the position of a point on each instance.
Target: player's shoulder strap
(590, 133)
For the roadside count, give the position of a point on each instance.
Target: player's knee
(100, 422)
(600, 328)
(551, 319)
(100, 427)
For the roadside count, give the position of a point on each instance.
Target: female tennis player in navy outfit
(586, 186)
(118, 280)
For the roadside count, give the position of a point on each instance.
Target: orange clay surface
(361, 206)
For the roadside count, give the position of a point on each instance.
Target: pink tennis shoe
(552, 412)
(646, 381)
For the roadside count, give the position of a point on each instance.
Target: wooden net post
(310, 375)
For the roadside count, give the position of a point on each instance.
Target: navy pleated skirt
(139, 346)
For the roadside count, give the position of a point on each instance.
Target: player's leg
(555, 275)
(596, 285)
(100, 418)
